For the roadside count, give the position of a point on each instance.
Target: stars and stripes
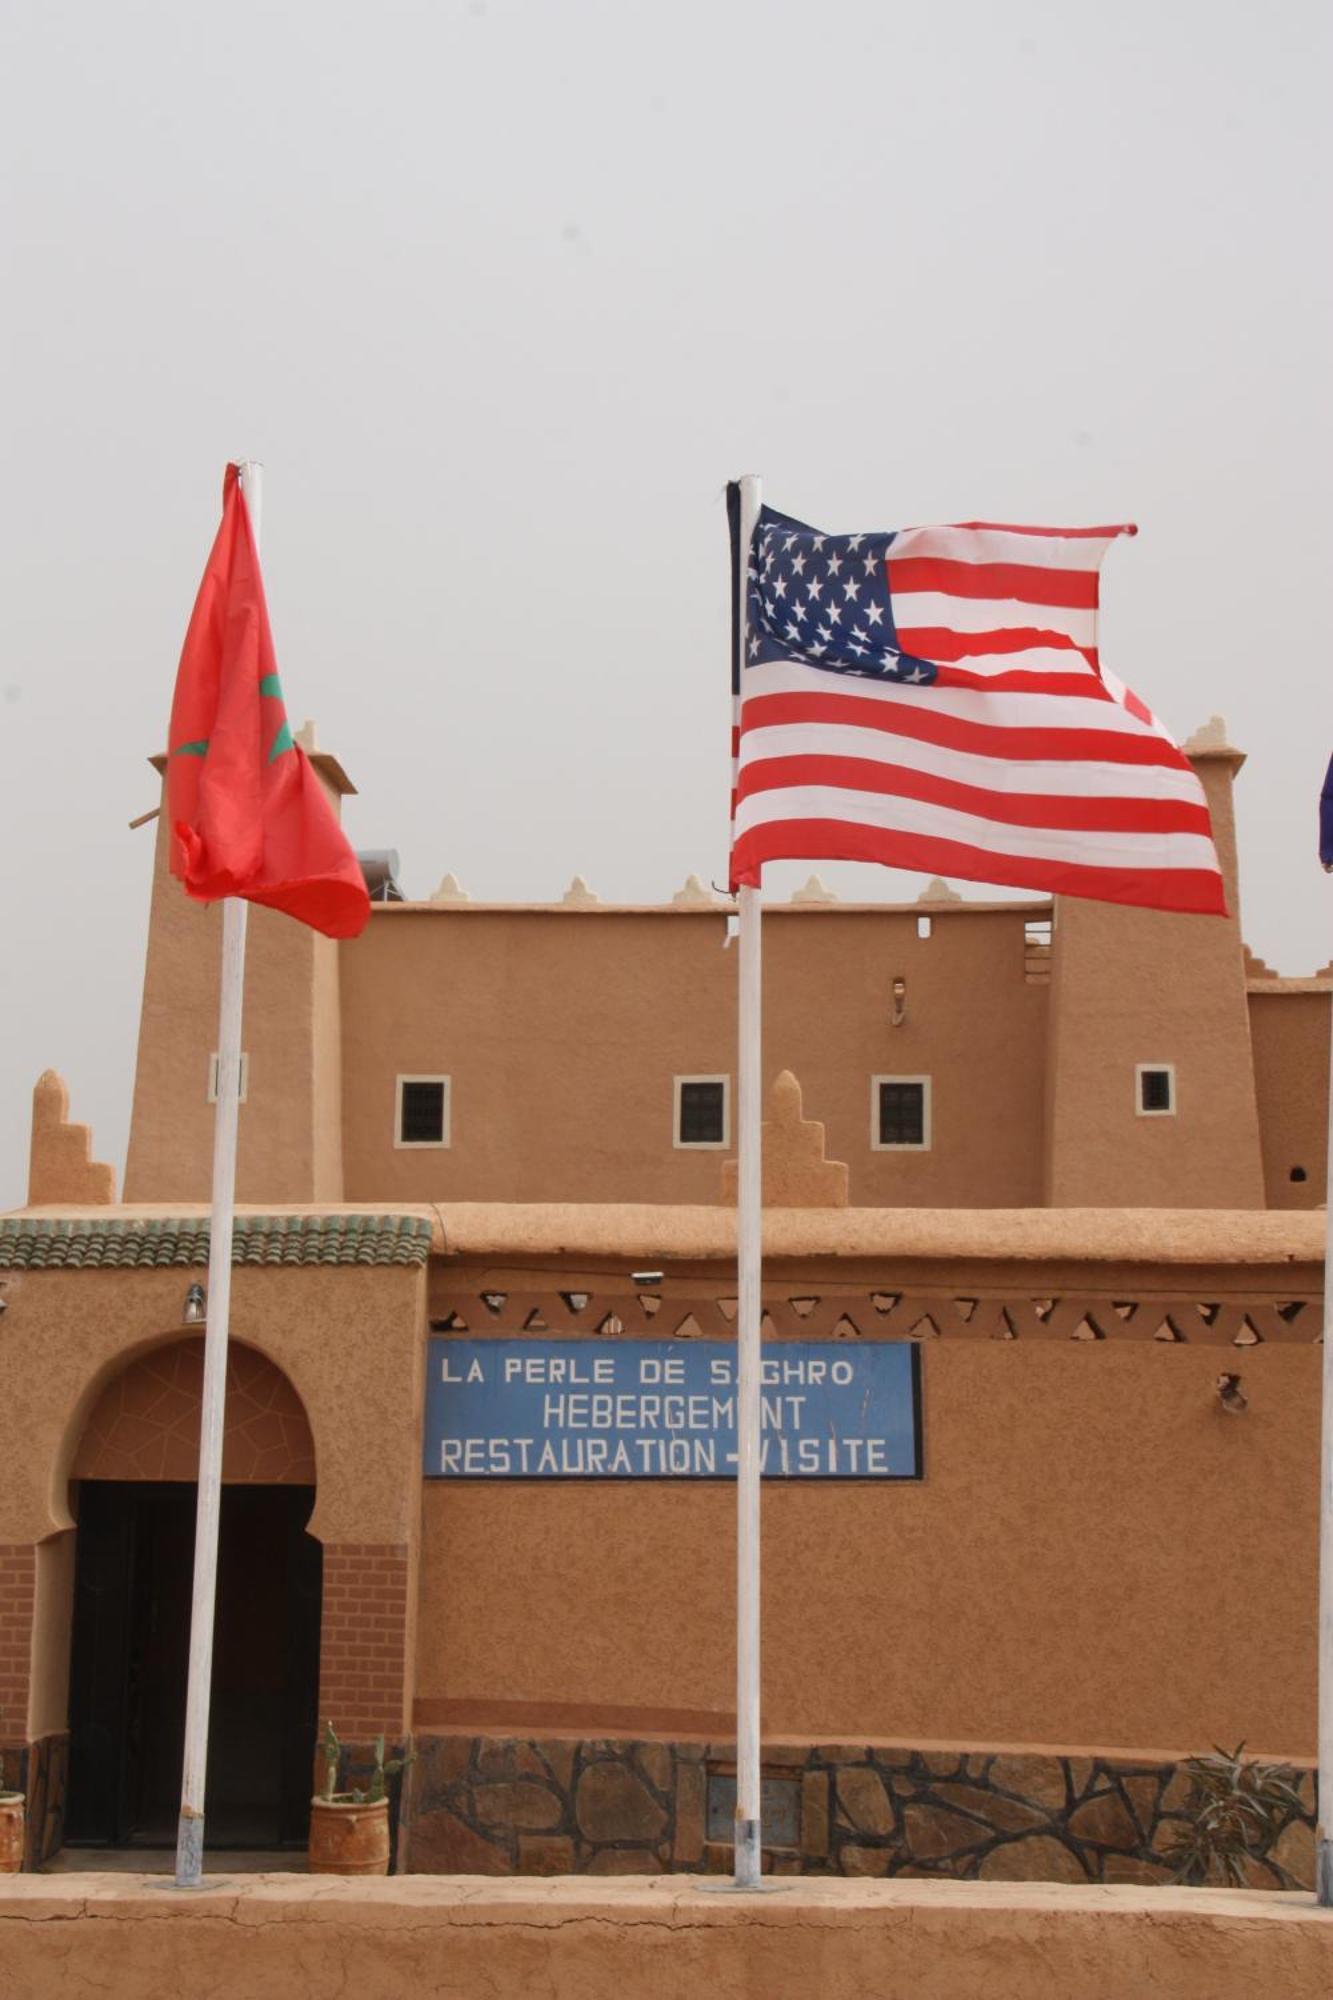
(933, 700)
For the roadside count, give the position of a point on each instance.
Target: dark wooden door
(131, 1633)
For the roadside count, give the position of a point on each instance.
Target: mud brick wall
(18, 1592)
(548, 1806)
(363, 1642)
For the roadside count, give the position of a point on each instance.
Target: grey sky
(502, 292)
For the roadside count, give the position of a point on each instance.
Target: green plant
(379, 1771)
(1235, 1807)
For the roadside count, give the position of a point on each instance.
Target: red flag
(248, 816)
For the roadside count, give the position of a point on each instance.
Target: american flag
(933, 700)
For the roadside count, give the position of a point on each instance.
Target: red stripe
(1025, 582)
(1061, 534)
(941, 642)
(1196, 890)
(1016, 680)
(1139, 709)
(984, 739)
(1074, 813)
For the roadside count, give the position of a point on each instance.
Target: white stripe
(1096, 710)
(992, 545)
(930, 608)
(1067, 778)
(1099, 849)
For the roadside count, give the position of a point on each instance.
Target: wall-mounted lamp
(899, 1014)
(196, 1307)
(1230, 1395)
(646, 1277)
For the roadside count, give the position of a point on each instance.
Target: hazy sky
(502, 292)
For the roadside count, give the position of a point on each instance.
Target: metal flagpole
(235, 910)
(1323, 1837)
(749, 1225)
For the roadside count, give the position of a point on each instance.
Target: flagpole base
(1323, 1871)
(190, 1850)
(749, 1861)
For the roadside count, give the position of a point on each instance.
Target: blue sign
(663, 1409)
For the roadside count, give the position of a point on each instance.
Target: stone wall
(563, 1805)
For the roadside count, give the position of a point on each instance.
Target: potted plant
(349, 1831)
(11, 1824)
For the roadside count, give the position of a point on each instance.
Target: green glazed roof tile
(46, 1244)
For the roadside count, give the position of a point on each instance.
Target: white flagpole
(190, 1833)
(749, 1227)
(1324, 1779)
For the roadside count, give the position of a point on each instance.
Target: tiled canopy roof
(37, 1244)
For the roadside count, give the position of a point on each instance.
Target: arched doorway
(133, 1495)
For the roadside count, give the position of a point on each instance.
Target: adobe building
(1071, 1155)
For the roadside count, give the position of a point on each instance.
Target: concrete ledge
(283, 1937)
(707, 1233)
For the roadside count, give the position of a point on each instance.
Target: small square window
(900, 1114)
(1155, 1089)
(702, 1112)
(422, 1116)
(213, 1078)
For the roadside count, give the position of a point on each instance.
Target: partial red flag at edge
(248, 816)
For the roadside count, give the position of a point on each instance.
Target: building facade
(958, 1054)
(1070, 1155)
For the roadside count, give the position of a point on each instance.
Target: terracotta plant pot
(349, 1839)
(11, 1832)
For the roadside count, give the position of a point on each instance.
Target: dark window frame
(414, 1126)
(687, 1111)
(909, 1114)
(1155, 1080)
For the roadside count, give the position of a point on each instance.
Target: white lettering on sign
(613, 1408)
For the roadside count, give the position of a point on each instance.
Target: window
(213, 1077)
(421, 1113)
(900, 1114)
(924, 927)
(1155, 1089)
(701, 1112)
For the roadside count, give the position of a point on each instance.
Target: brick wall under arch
(145, 1424)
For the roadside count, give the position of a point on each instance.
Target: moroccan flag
(248, 816)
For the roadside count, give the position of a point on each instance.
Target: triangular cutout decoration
(611, 1324)
(728, 1307)
(534, 1323)
(650, 1304)
(576, 1301)
(803, 1307)
(494, 1302)
(689, 1329)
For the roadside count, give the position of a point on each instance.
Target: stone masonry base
(567, 1805)
(288, 1937)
